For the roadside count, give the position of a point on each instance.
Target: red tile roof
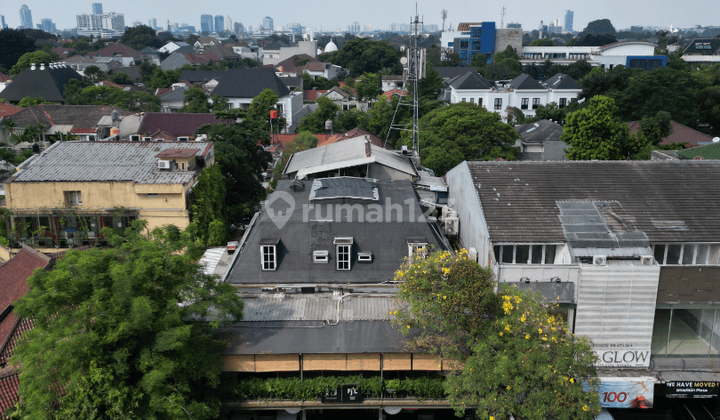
(178, 153)
(681, 134)
(200, 58)
(15, 328)
(390, 93)
(14, 273)
(7, 110)
(283, 139)
(312, 95)
(9, 384)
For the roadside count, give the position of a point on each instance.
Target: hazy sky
(331, 15)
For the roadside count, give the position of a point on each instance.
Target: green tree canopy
(542, 42)
(464, 131)
(207, 210)
(512, 357)
(304, 141)
(369, 87)
(139, 37)
(29, 101)
(140, 101)
(363, 55)
(14, 43)
(594, 132)
(599, 27)
(315, 121)
(118, 332)
(27, 59)
(195, 100)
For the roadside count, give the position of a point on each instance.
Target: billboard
(634, 392)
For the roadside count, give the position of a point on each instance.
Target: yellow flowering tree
(514, 357)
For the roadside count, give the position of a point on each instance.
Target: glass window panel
(496, 250)
(661, 327)
(688, 254)
(507, 254)
(702, 254)
(686, 332)
(537, 254)
(660, 254)
(673, 255)
(522, 254)
(550, 254)
(714, 257)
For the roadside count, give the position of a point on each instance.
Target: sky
(381, 13)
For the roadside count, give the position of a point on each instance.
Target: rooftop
(82, 161)
(48, 84)
(670, 201)
(78, 116)
(177, 124)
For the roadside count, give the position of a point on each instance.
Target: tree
(139, 37)
(29, 101)
(14, 43)
(464, 131)
(349, 119)
(651, 131)
(27, 59)
(430, 87)
(303, 141)
(120, 79)
(315, 121)
(709, 106)
(511, 356)
(363, 55)
(117, 333)
(595, 40)
(208, 209)
(94, 74)
(162, 79)
(478, 60)
(599, 27)
(551, 112)
(259, 110)
(195, 100)
(594, 132)
(140, 101)
(369, 87)
(544, 42)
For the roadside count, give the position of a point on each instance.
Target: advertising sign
(622, 355)
(692, 389)
(636, 392)
(347, 393)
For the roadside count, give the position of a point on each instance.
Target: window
(479, 101)
(472, 100)
(269, 257)
(183, 138)
(536, 103)
(563, 102)
(524, 103)
(152, 195)
(687, 254)
(417, 247)
(364, 256)
(147, 138)
(134, 137)
(464, 99)
(343, 251)
(498, 104)
(73, 197)
(528, 254)
(321, 257)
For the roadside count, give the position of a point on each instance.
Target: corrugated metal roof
(78, 161)
(316, 308)
(210, 259)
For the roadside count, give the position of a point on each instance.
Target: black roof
(133, 72)
(318, 227)
(48, 84)
(293, 337)
(525, 82)
(452, 72)
(239, 83)
(562, 81)
(540, 132)
(79, 116)
(292, 82)
(471, 81)
(670, 201)
(702, 46)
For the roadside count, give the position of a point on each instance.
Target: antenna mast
(443, 14)
(502, 18)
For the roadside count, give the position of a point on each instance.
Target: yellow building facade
(65, 196)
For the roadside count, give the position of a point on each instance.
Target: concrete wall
(505, 37)
(464, 199)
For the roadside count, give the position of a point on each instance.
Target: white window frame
(499, 256)
(418, 249)
(684, 248)
(321, 257)
(365, 257)
(498, 104)
(343, 253)
(74, 198)
(269, 263)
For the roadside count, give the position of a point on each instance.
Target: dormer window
(269, 254)
(321, 257)
(343, 251)
(365, 257)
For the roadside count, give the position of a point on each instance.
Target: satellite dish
(403, 60)
(716, 140)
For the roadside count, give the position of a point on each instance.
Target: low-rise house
(625, 53)
(541, 141)
(178, 59)
(83, 121)
(680, 134)
(7, 110)
(279, 51)
(64, 196)
(391, 82)
(45, 82)
(172, 46)
(630, 251)
(5, 80)
(124, 54)
(161, 126)
(702, 50)
(172, 99)
(351, 134)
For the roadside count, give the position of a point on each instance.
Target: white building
(607, 56)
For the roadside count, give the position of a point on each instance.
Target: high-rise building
(238, 27)
(25, 17)
(152, 22)
(116, 21)
(219, 23)
(206, 23)
(3, 25)
(268, 24)
(354, 28)
(46, 25)
(228, 24)
(97, 8)
(569, 14)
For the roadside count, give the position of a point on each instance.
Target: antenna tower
(502, 18)
(443, 14)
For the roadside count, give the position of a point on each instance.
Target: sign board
(692, 389)
(622, 354)
(635, 392)
(347, 393)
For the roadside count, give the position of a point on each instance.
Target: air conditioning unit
(599, 260)
(163, 164)
(472, 253)
(452, 225)
(646, 260)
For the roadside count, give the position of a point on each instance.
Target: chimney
(42, 66)
(32, 66)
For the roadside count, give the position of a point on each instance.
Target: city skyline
(662, 13)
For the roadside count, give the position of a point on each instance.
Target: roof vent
(42, 66)
(32, 66)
